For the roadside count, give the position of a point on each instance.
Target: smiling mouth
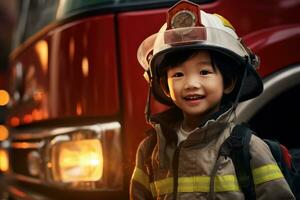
(193, 97)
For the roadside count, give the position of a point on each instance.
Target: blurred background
(8, 16)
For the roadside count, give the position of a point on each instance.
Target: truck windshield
(36, 14)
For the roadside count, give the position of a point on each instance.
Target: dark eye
(204, 72)
(178, 74)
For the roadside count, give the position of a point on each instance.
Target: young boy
(197, 65)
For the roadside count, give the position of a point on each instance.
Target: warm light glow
(45, 114)
(78, 109)
(37, 115)
(78, 160)
(15, 121)
(3, 160)
(3, 133)
(4, 98)
(42, 51)
(85, 67)
(38, 96)
(27, 118)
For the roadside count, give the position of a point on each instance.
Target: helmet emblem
(183, 18)
(183, 14)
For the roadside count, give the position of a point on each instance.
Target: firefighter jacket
(193, 169)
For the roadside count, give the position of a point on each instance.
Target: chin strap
(148, 103)
(249, 63)
(236, 101)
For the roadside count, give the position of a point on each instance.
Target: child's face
(195, 86)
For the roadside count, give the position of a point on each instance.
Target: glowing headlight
(4, 161)
(80, 160)
(84, 157)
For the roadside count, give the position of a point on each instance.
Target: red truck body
(82, 69)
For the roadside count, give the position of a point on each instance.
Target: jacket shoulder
(269, 179)
(147, 145)
(260, 152)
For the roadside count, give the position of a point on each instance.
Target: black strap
(236, 146)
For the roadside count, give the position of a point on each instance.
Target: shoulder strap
(236, 146)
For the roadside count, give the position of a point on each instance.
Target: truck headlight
(77, 160)
(86, 157)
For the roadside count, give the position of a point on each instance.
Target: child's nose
(192, 83)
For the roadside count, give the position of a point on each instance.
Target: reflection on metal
(19, 71)
(16, 82)
(61, 8)
(78, 109)
(4, 97)
(30, 83)
(3, 133)
(274, 85)
(41, 49)
(27, 145)
(34, 162)
(58, 131)
(72, 49)
(85, 66)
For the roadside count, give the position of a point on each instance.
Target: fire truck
(76, 112)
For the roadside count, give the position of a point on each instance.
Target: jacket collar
(169, 120)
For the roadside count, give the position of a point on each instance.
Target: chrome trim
(274, 85)
(34, 161)
(42, 134)
(27, 145)
(59, 138)
(26, 178)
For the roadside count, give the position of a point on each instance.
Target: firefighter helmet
(188, 27)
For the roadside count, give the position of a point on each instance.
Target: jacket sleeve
(268, 179)
(140, 181)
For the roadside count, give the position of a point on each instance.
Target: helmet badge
(183, 14)
(183, 18)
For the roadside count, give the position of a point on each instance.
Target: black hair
(230, 69)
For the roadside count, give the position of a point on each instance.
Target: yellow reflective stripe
(195, 184)
(266, 173)
(164, 186)
(225, 21)
(141, 177)
(226, 183)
